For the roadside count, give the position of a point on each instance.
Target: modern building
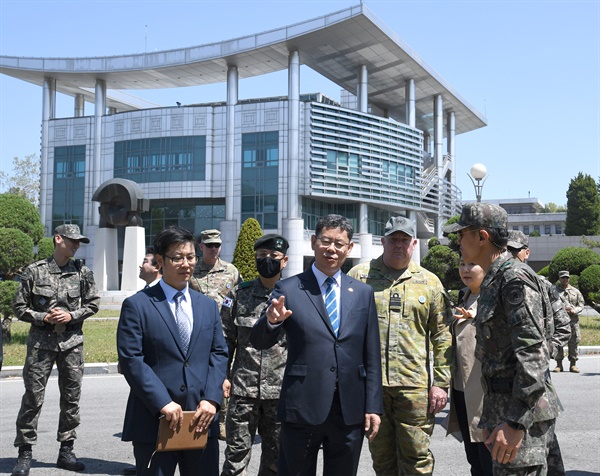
(525, 214)
(387, 147)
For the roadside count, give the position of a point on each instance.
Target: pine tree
(583, 207)
(243, 256)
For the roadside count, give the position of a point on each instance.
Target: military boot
(67, 459)
(23, 461)
(559, 367)
(573, 368)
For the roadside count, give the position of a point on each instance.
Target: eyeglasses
(327, 242)
(269, 254)
(178, 260)
(212, 245)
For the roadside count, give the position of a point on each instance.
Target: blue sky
(531, 67)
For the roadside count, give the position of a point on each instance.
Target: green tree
(589, 281)
(243, 256)
(443, 262)
(552, 207)
(16, 251)
(25, 180)
(535, 233)
(45, 248)
(19, 213)
(583, 207)
(8, 291)
(572, 259)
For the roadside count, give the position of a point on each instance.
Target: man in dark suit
(173, 355)
(331, 392)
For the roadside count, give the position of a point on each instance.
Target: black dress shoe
(130, 470)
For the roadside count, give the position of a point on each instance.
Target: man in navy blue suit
(331, 393)
(173, 355)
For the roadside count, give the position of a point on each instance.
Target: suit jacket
(317, 358)
(153, 362)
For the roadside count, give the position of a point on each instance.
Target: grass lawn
(100, 338)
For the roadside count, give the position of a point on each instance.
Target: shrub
(8, 290)
(453, 237)
(243, 256)
(45, 248)
(589, 281)
(545, 271)
(19, 213)
(572, 259)
(433, 241)
(16, 251)
(443, 262)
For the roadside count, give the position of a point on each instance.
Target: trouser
(574, 340)
(555, 462)
(402, 444)
(37, 369)
(244, 417)
(478, 456)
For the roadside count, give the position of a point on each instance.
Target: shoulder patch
(245, 284)
(227, 302)
(515, 294)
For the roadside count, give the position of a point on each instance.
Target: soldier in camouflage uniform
(574, 303)
(55, 295)
(520, 404)
(413, 321)
(254, 379)
(215, 278)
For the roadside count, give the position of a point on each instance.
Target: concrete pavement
(104, 396)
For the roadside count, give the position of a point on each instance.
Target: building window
(68, 185)
(162, 159)
(312, 210)
(558, 229)
(526, 229)
(194, 215)
(536, 228)
(547, 230)
(260, 178)
(515, 227)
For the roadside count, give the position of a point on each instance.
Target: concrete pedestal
(134, 251)
(106, 271)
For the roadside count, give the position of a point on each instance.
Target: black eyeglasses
(178, 260)
(212, 245)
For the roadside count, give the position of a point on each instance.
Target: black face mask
(268, 267)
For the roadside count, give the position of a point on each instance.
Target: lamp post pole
(478, 177)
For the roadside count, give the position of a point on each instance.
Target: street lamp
(478, 174)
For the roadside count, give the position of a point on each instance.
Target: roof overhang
(334, 45)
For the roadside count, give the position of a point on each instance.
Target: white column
(134, 250)
(451, 144)
(438, 133)
(363, 89)
(293, 225)
(48, 99)
(105, 266)
(79, 105)
(411, 115)
(365, 239)
(93, 217)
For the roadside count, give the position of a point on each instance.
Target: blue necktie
(183, 323)
(331, 305)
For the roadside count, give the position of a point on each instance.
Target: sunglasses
(212, 245)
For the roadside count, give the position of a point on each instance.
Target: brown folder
(186, 438)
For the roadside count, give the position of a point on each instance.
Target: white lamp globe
(478, 171)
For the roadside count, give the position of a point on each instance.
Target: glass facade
(260, 178)
(161, 159)
(192, 214)
(312, 210)
(363, 157)
(68, 186)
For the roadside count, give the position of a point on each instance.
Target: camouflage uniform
(256, 382)
(573, 297)
(413, 313)
(216, 281)
(44, 286)
(514, 353)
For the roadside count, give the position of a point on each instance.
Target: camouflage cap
(272, 241)
(517, 240)
(564, 274)
(403, 224)
(479, 215)
(72, 232)
(210, 236)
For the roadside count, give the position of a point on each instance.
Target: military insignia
(228, 302)
(515, 295)
(279, 243)
(422, 299)
(43, 301)
(228, 285)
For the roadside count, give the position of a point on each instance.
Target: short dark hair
(498, 237)
(172, 234)
(150, 251)
(335, 221)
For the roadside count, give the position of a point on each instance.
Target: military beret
(72, 232)
(272, 241)
(403, 224)
(210, 236)
(517, 240)
(479, 215)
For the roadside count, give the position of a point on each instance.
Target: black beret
(272, 241)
